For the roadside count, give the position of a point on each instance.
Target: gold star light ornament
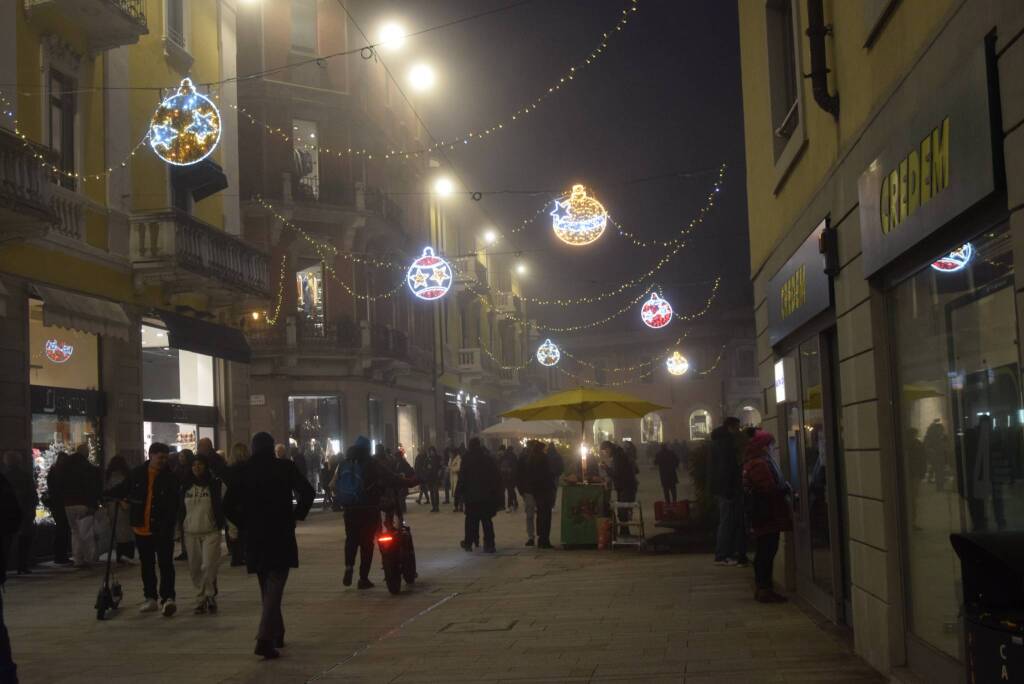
(430, 276)
(185, 128)
(579, 219)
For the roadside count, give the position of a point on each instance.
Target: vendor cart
(582, 505)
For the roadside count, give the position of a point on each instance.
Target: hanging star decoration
(186, 127)
(429, 267)
(548, 353)
(656, 312)
(677, 364)
(579, 219)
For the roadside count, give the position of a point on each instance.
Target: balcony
(506, 302)
(470, 361)
(332, 192)
(182, 253)
(508, 377)
(106, 24)
(25, 190)
(470, 273)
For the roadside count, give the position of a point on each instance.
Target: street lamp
(521, 268)
(391, 36)
(490, 237)
(444, 187)
(422, 77)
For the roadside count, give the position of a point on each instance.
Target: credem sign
(800, 290)
(932, 167)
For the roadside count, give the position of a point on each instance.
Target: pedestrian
(10, 521)
(54, 500)
(529, 503)
(23, 484)
(536, 479)
(419, 465)
(481, 490)
(725, 486)
(358, 489)
(233, 536)
(153, 493)
(259, 502)
(81, 490)
(299, 459)
(454, 468)
(203, 522)
(280, 451)
(117, 472)
(183, 471)
(216, 463)
(432, 471)
(446, 477)
(768, 511)
(508, 465)
(668, 464)
(623, 477)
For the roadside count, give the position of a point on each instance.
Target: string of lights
(711, 369)
(272, 319)
(614, 383)
(625, 369)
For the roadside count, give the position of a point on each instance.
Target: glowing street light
(391, 36)
(490, 237)
(422, 77)
(521, 268)
(444, 187)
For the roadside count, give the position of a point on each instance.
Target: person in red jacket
(768, 511)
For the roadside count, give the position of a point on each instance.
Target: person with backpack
(10, 521)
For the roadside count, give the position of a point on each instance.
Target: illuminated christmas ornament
(580, 219)
(57, 351)
(548, 353)
(956, 260)
(677, 364)
(185, 128)
(656, 312)
(430, 276)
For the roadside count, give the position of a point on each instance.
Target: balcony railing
(314, 188)
(176, 248)
(107, 24)
(506, 302)
(469, 271)
(25, 190)
(470, 360)
(343, 339)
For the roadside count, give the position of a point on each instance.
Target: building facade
(884, 198)
(122, 279)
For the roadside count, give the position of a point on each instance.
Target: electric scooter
(110, 595)
(397, 556)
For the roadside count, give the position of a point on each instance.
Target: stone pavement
(521, 615)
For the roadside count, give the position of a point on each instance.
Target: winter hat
(761, 440)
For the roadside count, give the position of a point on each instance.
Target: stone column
(121, 382)
(15, 411)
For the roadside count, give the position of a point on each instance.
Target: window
(304, 25)
(62, 125)
(784, 83)
(375, 421)
(314, 424)
(408, 426)
(700, 424)
(60, 357)
(172, 375)
(604, 430)
(750, 416)
(306, 159)
(309, 283)
(651, 429)
(176, 22)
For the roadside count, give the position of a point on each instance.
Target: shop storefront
(315, 426)
(936, 241)
(182, 377)
(802, 330)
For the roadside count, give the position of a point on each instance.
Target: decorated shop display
(57, 351)
(656, 312)
(579, 219)
(677, 364)
(956, 260)
(430, 276)
(548, 353)
(185, 128)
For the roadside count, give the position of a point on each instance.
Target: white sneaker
(168, 608)
(148, 606)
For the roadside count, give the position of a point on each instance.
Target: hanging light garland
(185, 128)
(614, 383)
(624, 369)
(711, 369)
(272, 319)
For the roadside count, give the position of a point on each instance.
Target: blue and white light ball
(430, 277)
(186, 127)
(548, 353)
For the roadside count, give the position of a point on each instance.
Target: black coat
(259, 502)
(81, 482)
(163, 517)
(480, 482)
(667, 463)
(10, 521)
(24, 487)
(724, 470)
(535, 475)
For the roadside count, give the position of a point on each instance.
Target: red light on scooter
(385, 538)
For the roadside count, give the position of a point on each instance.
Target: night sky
(663, 99)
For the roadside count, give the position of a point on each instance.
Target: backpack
(349, 489)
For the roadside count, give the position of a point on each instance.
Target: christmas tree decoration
(185, 128)
(548, 353)
(579, 219)
(956, 260)
(430, 276)
(656, 312)
(677, 364)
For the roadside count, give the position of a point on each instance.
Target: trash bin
(992, 566)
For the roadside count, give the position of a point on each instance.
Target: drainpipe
(816, 32)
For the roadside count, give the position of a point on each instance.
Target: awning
(202, 180)
(86, 314)
(202, 337)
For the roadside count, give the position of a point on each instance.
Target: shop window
(62, 125)
(700, 424)
(604, 430)
(651, 428)
(305, 160)
(178, 436)
(60, 357)
(375, 421)
(304, 25)
(315, 426)
(174, 375)
(408, 427)
(750, 416)
(961, 420)
(309, 283)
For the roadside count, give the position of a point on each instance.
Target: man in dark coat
(24, 486)
(481, 490)
(259, 502)
(10, 520)
(668, 464)
(535, 479)
(153, 494)
(54, 500)
(725, 476)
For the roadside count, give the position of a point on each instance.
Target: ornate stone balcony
(184, 254)
(25, 190)
(107, 24)
(470, 274)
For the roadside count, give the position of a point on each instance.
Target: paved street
(520, 615)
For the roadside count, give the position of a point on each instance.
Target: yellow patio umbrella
(583, 404)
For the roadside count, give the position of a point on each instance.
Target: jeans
(361, 525)
(156, 550)
(271, 593)
(476, 516)
(81, 520)
(530, 506)
(432, 489)
(767, 546)
(203, 562)
(732, 539)
(545, 502)
(671, 492)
